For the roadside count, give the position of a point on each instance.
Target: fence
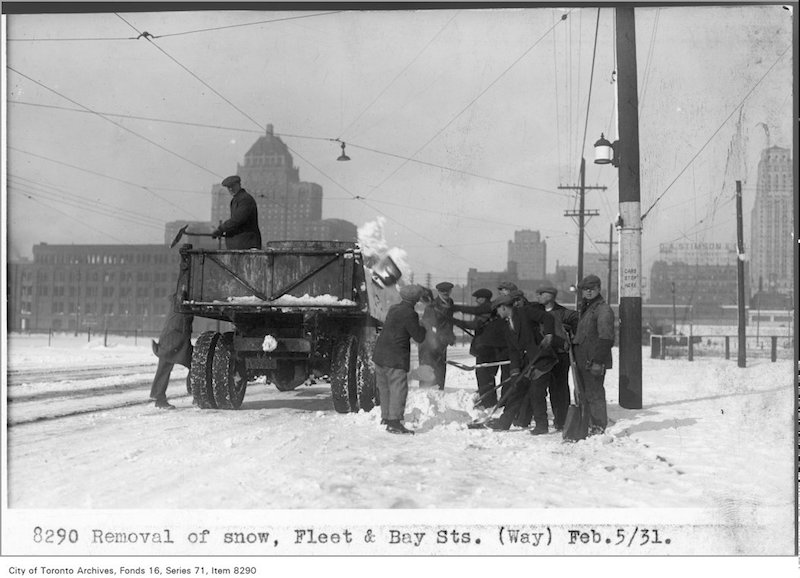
(682, 346)
(109, 337)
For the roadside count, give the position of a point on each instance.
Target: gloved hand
(547, 340)
(597, 369)
(216, 234)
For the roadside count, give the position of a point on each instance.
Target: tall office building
(288, 208)
(771, 232)
(529, 252)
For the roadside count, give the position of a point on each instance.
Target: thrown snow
(710, 435)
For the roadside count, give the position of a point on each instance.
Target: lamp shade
(603, 151)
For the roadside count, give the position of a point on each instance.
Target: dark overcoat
(595, 334)
(241, 230)
(175, 342)
(529, 324)
(393, 347)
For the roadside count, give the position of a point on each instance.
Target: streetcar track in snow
(84, 411)
(18, 377)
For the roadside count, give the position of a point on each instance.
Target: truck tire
(200, 372)
(365, 377)
(228, 384)
(343, 375)
(289, 375)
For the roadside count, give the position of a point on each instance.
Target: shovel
(545, 360)
(576, 424)
(471, 367)
(182, 231)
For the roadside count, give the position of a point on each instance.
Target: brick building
(76, 287)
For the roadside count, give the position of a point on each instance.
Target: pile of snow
(290, 301)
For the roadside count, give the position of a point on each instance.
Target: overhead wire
(398, 75)
(714, 134)
(287, 135)
(99, 174)
(118, 125)
(76, 201)
(244, 24)
(473, 101)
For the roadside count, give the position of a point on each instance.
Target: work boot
(164, 404)
(539, 430)
(395, 426)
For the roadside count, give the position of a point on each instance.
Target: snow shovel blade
(576, 424)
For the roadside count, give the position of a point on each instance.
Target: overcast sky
(461, 124)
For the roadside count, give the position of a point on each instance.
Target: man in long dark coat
(593, 341)
(529, 335)
(241, 230)
(559, 379)
(173, 346)
(392, 357)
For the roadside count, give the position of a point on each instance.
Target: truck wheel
(343, 375)
(200, 372)
(229, 386)
(289, 375)
(365, 377)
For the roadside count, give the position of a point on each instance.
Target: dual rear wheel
(214, 379)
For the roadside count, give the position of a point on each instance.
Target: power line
(286, 135)
(474, 100)
(198, 31)
(135, 117)
(399, 74)
(203, 82)
(148, 189)
(118, 125)
(714, 134)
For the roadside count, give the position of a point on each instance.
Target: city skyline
(459, 137)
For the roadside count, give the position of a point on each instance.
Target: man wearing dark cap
(241, 230)
(530, 338)
(593, 340)
(506, 287)
(392, 357)
(437, 318)
(559, 379)
(488, 342)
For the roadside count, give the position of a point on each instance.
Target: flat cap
(503, 300)
(229, 181)
(547, 289)
(485, 293)
(516, 294)
(411, 292)
(444, 286)
(589, 281)
(507, 285)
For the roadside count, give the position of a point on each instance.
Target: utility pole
(610, 260)
(581, 213)
(742, 359)
(630, 210)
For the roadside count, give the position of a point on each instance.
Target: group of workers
(527, 341)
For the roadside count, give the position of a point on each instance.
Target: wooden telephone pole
(630, 210)
(610, 260)
(581, 213)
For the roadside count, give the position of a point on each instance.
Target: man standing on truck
(241, 230)
(392, 357)
(173, 346)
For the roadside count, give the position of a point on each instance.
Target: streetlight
(605, 152)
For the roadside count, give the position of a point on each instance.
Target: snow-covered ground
(713, 444)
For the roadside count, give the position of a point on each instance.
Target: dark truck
(299, 309)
